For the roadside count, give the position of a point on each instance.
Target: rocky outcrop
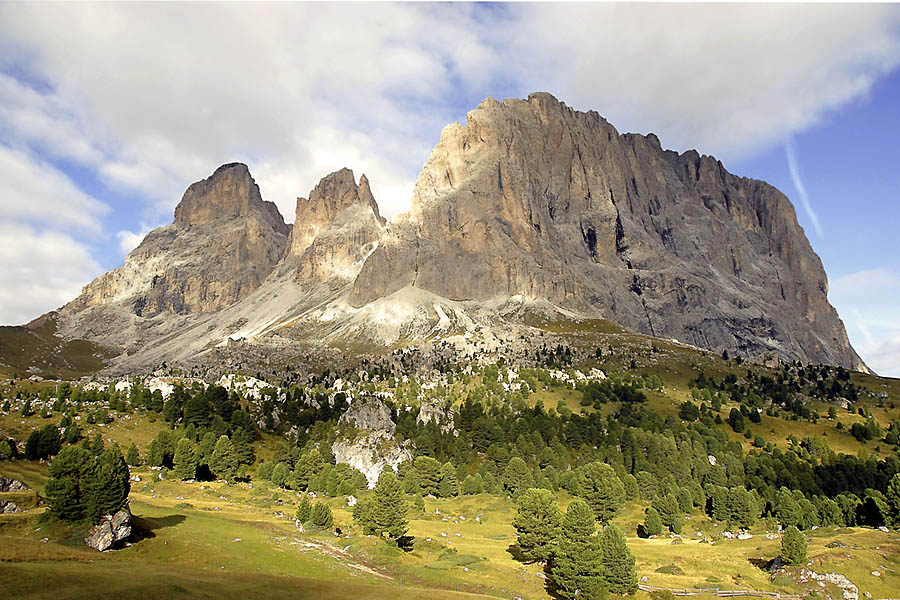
(335, 230)
(111, 531)
(11, 485)
(367, 441)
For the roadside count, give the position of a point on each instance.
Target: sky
(109, 111)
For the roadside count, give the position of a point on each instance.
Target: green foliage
(389, 508)
(598, 484)
(133, 457)
(449, 485)
(577, 568)
(892, 496)
(110, 485)
(280, 474)
(224, 461)
(669, 512)
(538, 524)
(618, 562)
(43, 443)
(473, 484)
(185, 461)
(793, 547)
(427, 473)
(71, 472)
(304, 509)
(517, 477)
(652, 523)
(320, 516)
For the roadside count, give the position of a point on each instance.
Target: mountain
(530, 208)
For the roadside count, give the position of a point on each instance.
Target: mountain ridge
(528, 203)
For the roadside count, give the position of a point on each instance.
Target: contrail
(801, 189)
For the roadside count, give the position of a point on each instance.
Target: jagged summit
(529, 203)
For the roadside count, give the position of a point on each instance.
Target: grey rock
(111, 531)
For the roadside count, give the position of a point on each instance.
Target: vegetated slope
(530, 207)
(35, 347)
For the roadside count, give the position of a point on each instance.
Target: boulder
(111, 531)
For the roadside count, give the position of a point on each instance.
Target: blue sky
(108, 112)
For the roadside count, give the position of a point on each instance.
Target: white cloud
(801, 189)
(129, 240)
(41, 271)
(32, 190)
(868, 301)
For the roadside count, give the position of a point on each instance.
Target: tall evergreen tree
(892, 495)
(133, 457)
(320, 516)
(517, 477)
(449, 483)
(223, 461)
(71, 472)
(389, 507)
(428, 474)
(618, 562)
(793, 547)
(538, 524)
(578, 567)
(599, 485)
(185, 462)
(304, 508)
(652, 523)
(109, 487)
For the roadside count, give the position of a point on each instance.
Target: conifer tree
(108, 489)
(652, 523)
(517, 477)
(133, 457)
(223, 461)
(449, 483)
(618, 562)
(389, 507)
(669, 513)
(603, 490)
(793, 547)
(320, 516)
(185, 462)
(428, 474)
(304, 508)
(538, 524)
(280, 474)
(892, 495)
(577, 567)
(71, 473)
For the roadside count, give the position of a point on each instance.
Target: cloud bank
(146, 98)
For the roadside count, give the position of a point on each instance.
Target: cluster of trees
(87, 485)
(311, 470)
(317, 515)
(581, 564)
(193, 456)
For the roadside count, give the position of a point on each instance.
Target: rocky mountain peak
(335, 193)
(229, 193)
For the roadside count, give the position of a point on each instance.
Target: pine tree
(472, 484)
(389, 507)
(362, 514)
(517, 477)
(304, 508)
(652, 523)
(449, 483)
(786, 509)
(577, 567)
(223, 461)
(108, 489)
(420, 502)
(603, 490)
(618, 562)
(133, 457)
(70, 472)
(793, 547)
(280, 474)
(892, 495)
(669, 513)
(538, 524)
(428, 474)
(185, 461)
(320, 516)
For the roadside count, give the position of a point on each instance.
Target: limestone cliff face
(224, 242)
(531, 197)
(336, 229)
